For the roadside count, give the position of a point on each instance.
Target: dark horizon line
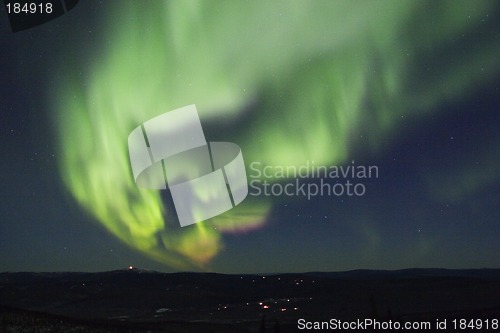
(358, 270)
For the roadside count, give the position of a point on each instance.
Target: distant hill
(247, 303)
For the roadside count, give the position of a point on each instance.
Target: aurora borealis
(411, 87)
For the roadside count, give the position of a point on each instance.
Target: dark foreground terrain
(143, 301)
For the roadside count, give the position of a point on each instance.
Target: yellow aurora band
(317, 73)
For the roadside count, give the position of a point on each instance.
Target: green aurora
(315, 75)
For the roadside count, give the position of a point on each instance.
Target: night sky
(412, 88)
